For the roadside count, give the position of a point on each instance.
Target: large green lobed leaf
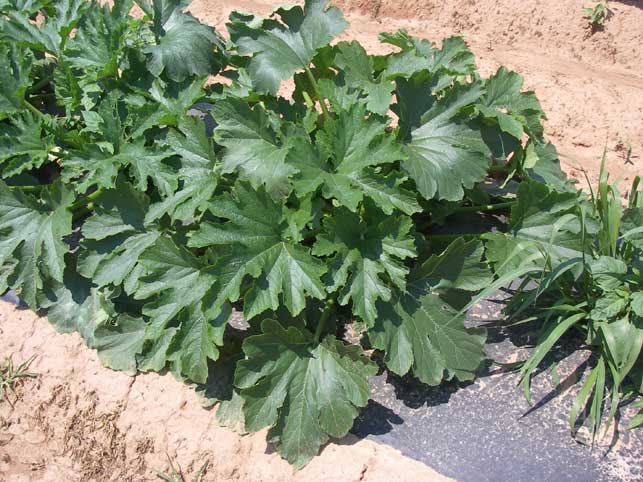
(304, 391)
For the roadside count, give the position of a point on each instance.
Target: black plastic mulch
(486, 430)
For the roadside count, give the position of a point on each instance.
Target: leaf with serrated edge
(445, 157)
(198, 172)
(77, 306)
(419, 330)
(196, 342)
(24, 145)
(96, 168)
(454, 58)
(252, 146)
(458, 267)
(279, 50)
(119, 344)
(428, 336)
(15, 66)
(545, 226)
(180, 288)
(365, 256)
(259, 239)
(33, 234)
(342, 162)
(306, 392)
(99, 43)
(357, 68)
(513, 109)
(175, 279)
(185, 48)
(116, 236)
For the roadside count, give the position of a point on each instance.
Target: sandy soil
(590, 86)
(78, 421)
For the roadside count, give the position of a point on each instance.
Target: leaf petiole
(83, 211)
(40, 84)
(324, 317)
(484, 208)
(34, 188)
(451, 237)
(33, 109)
(320, 98)
(86, 201)
(42, 96)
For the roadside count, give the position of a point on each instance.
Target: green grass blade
(616, 394)
(548, 340)
(596, 409)
(635, 198)
(582, 397)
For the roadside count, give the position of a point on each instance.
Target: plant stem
(451, 237)
(40, 84)
(324, 317)
(320, 98)
(34, 188)
(34, 110)
(86, 201)
(484, 208)
(41, 116)
(42, 96)
(82, 212)
(497, 169)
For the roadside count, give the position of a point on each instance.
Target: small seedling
(177, 474)
(11, 376)
(624, 148)
(597, 16)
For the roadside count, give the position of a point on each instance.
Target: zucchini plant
(155, 181)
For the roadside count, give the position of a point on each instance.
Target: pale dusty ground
(79, 421)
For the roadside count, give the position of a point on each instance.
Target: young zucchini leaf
(255, 146)
(366, 258)
(342, 162)
(263, 246)
(286, 42)
(115, 237)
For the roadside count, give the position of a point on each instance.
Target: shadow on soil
(632, 3)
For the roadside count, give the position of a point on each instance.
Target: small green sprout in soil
(177, 475)
(597, 15)
(12, 376)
